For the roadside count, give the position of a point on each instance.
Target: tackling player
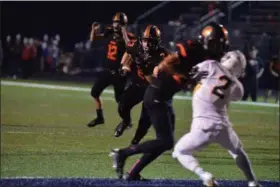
(171, 75)
(139, 61)
(212, 95)
(118, 38)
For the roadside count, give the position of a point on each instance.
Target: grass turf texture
(44, 133)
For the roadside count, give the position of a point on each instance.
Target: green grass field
(44, 133)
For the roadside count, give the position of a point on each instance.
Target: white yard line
(72, 88)
(254, 112)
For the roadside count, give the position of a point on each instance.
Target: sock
(99, 113)
(244, 164)
(199, 171)
(189, 162)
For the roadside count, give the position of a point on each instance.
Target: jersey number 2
(112, 52)
(217, 90)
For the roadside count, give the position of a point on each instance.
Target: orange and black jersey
(190, 54)
(143, 64)
(116, 47)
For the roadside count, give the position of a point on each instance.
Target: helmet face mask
(116, 26)
(150, 39)
(119, 20)
(149, 45)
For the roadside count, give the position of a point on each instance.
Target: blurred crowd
(260, 73)
(23, 57)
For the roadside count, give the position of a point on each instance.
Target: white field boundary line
(109, 91)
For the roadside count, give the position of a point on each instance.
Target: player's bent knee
(176, 152)
(94, 93)
(168, 143)
(180, 149)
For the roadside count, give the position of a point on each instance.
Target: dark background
(72, 20)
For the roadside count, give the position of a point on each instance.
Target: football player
(170, 76)
(139, 61)
(273, 79)
(118, 38)
(212, 95)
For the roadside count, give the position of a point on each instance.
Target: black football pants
(106, 78)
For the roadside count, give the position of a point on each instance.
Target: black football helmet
(119, 19)
(151, 38)
(214, 38)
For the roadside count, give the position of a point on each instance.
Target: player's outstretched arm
(167, 64)
(125, 35)
(126, 62)
(95, 27)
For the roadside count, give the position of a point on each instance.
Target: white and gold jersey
(214, 92)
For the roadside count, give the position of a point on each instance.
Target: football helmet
(234, 62)
(214, 38)
(119, 19)
(151, 38)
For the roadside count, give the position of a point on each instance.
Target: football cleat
(118, 162)
(208, 180)
(254, 184)
(121, 128)
(129, 177)
(95, 122)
